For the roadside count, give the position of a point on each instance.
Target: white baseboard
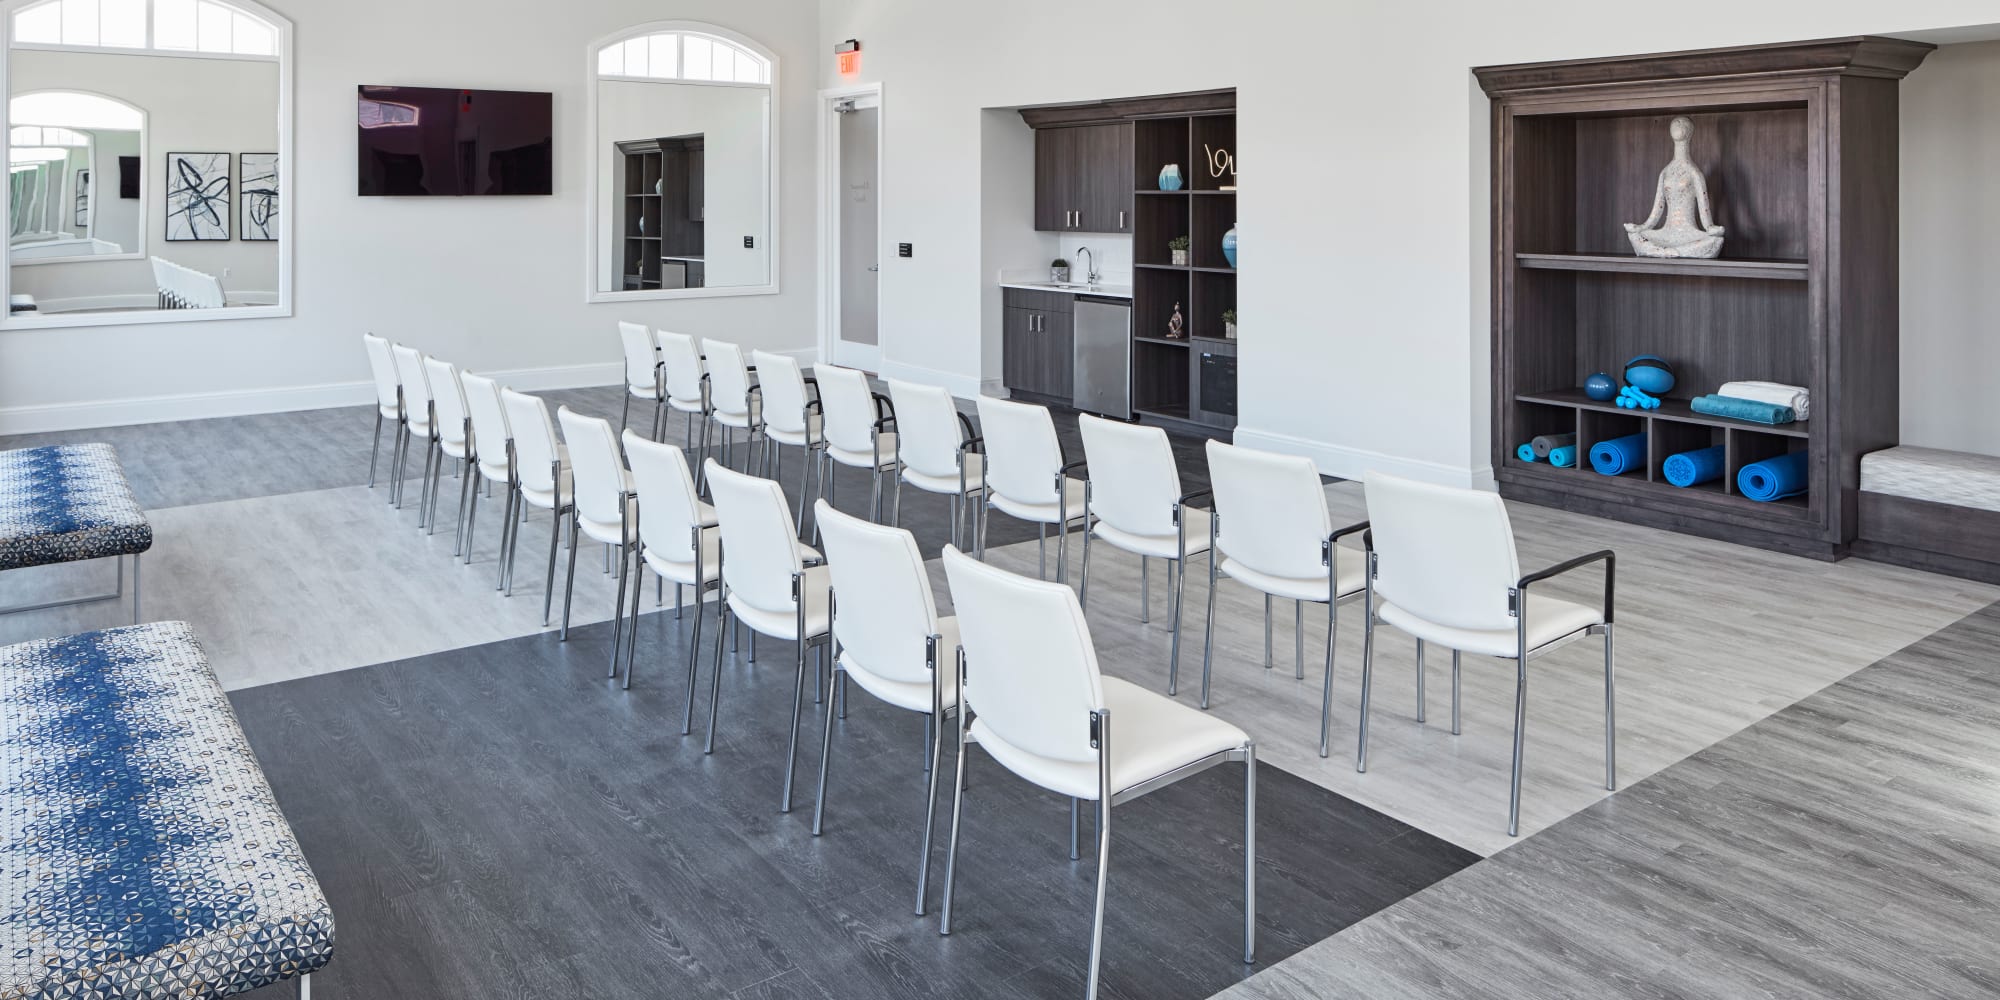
(961, 386)
(1356, 463)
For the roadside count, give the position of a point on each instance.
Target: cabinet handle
(1121, 222)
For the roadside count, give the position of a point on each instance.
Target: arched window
(683, 55)
(207, 26)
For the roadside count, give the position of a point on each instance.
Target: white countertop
(1103, 291)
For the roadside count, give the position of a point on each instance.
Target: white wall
(1363, 153)
(192, 106)
(111, 217)
(495, 284)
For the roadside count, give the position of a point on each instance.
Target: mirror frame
(145, 195)
(593, 233)
(287, 231)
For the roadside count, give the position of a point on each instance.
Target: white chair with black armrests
(686, 381)
(1271, 531)
(791, 417)
(645, 373)
(454, 441)
(733, 401)
(542, 478)
(1444, 571)
(936, 450)
(493, 458)
(888, 637)
(605, 509)
(1029, 681)
(419, 422)
(388, 398)
(1027, 477)
(1134, 493)
(770, 582)
(678, 541)
(860, 431)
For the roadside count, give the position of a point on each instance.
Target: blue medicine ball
(1650, 374)
(1600, 387)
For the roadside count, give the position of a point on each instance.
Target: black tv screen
(418, 141)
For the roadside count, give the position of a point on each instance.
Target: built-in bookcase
(1168, 374)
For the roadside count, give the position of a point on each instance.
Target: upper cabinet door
(1105, 166)
(1056, 179)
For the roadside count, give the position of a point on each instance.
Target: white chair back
(669, 506)
(927, 435)
(489, 421)
(450, 397)
(416, 386)
(594, 461)
(186, 288)
(760, 554)
(641, 354)
(382, 365)
(784, 391)
(1273, 510)
(728, 377)
(1443, 554)
(535, 448)
(684, 368)
(1134, 481)
(1023, 455)
(846, 406)
(884, 610)
(1030, 669)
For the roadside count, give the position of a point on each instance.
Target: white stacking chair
(493, 455)
(1271, 532)
(1026, 476)
(454, 440)
(678, 541)
(936, 449)
(542, 478)
(888, 637)
(1134, 493)
(732, 399)
(791, 417)
(1041, 708)
(686, 380)
(388, 397)
(418, 422)
(859, 431)
(1444, 570)
(645, 377)
(606, 510)
(771, 583)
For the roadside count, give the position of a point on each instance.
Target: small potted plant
(1179, 246)
(1058, 271)
(1229, 324)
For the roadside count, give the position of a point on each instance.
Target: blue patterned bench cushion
(67, 503)
(144, 856)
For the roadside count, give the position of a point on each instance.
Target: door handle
(874, 267)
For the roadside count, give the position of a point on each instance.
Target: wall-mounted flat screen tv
(417, 141)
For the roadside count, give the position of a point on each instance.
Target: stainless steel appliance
(1102, 374)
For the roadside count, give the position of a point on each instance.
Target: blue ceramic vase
(1170, 177)
(1229, 245)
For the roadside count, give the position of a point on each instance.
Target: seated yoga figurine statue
(1681, 199)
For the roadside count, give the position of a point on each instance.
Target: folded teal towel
(1525, 453)
(1744, 409)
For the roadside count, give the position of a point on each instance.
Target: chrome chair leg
(798, 706)
(1083, 570)
(1250, 853)
(1454, 692)
(1179, 570)
(935, 740)
(1299, 640)
(1610, 704)
(1041, 551)
(549, 586)
(1074, 825)
(471, 514)
(1367, 670)
(1208, 626)
(1267, 632)
(458, 522)
(1520, 743)
(1420, 682)
(957, 808)
(618, 608)
(1145, 591)
(1103, 851)
(376, 451)
(694, 654)
(632, 643)
(1326, 694)
(715, 672)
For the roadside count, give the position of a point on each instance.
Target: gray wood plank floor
(1843, 847)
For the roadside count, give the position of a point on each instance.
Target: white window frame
(139, 251)
(279, 27)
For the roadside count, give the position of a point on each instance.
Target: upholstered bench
(142, 854)
(69, 503)
(1931, 509)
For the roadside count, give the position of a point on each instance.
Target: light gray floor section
(1841, 848)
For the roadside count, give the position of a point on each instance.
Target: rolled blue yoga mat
(1743, 409)
(1525, 453)
(1774, 479)
(1563, 457)
(1619, 455)
(1545, 443)
(1692, 468)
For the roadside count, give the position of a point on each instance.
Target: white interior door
(857, 246)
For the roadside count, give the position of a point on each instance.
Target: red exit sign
(847, 57)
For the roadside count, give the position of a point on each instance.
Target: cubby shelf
(1768, 270)
(1676, 410)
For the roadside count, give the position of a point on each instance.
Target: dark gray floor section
(499, 821)
(1844, 847)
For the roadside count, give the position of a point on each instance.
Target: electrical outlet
(905, 250)
(749, 242)
(225, 272)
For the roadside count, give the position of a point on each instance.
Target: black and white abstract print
(83, 199)
(259, 175)
(197, 196)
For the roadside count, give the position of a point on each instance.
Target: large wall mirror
(147, 162)
(683, 153)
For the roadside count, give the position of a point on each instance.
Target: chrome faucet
(1090, 268)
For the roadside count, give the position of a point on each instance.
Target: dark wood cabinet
(1082, 178)
(1037, 343)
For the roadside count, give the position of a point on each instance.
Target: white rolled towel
(1776, 393)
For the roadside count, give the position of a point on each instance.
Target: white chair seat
(915, 697)
(683, 572)
(1549, 619)
(1164, 546)
(647, 392)
(797, 439)
(975, 466)
(690, 404)
(1151, 735)
(389, 411)
(609, 532)
(544, 499)
(741, 420)
(784, 624)
(455, 447)
(420, 426)
(1044, 513)
(865, 458)
(1351, 565)
(494, 470)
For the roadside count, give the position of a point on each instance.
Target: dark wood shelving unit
(1798, 146)
(1168, 373)
(661, 211)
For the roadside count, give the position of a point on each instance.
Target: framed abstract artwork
(82, 199)
(197, 196)
(258, 189)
